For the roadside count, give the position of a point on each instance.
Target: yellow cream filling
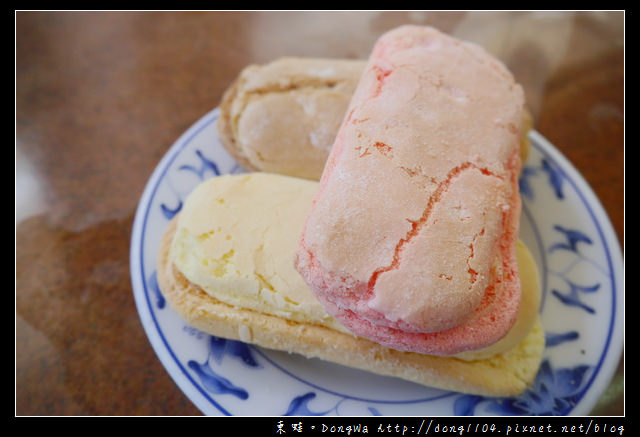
(236, 239)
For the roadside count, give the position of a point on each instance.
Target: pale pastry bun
(236, 237)
(283, 116)
(411, 238)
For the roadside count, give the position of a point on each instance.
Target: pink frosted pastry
(411, 238)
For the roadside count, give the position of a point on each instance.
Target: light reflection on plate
(582, 308)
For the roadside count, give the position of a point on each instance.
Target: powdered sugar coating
(411, 237)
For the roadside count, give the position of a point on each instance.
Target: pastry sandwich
(226, 267)
(403, 259)
(411, 239)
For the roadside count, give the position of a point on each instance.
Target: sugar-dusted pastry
(282, 117)
(225, 265)
(411, 240)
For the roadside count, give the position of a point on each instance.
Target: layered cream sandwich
(226, 266)
(403, 259)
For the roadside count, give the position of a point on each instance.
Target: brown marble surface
(101, 96)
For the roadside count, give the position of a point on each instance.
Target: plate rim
(610, 357)
(159, 344)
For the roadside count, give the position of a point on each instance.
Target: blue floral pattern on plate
(562, 223)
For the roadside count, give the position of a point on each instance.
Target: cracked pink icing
(411, 239)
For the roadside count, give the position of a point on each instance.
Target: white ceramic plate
(562, 223)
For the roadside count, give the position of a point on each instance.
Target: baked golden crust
(505, 374)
